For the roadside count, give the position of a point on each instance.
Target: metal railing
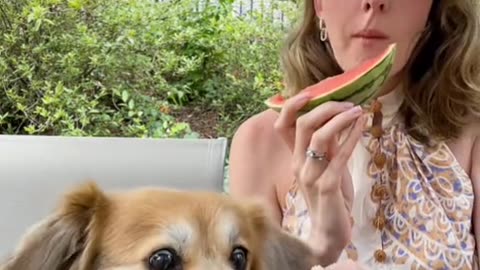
(274, 9)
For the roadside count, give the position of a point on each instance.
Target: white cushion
(36, 170)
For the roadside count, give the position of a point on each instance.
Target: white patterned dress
(412, 206)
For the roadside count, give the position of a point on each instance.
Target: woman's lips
(370, 34)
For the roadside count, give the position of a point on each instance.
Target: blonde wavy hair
(442, 92)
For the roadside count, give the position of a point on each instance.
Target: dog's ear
(68, 238)
(280, 250)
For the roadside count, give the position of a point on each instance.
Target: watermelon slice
(358, 85)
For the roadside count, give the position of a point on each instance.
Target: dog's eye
(238, 258)
(164, 259)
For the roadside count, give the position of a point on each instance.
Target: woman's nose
(376, 5)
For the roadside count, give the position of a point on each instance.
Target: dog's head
(156, 229)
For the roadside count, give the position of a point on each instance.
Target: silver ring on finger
(314, 155)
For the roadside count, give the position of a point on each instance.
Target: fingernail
(348, 105)
(303, 98)
(357, 110)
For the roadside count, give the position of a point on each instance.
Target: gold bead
(379, 222)
(380, 159)
(376, 106)
(380, 255)
(376, 131)
(379, 193)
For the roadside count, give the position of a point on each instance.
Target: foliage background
(134, 67)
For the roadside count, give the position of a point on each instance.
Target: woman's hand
(325, 180)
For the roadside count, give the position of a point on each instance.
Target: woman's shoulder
(256, 148)
(258, 161)
(258, 132)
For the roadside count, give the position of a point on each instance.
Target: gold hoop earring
(323, 29)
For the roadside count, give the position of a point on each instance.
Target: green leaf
(30, 129)
(125, 96)
(76, 4)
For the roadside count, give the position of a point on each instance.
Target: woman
(392, 185)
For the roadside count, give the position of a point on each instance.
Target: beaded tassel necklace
(379, 189)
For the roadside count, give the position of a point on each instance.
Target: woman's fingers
(316, 129)
(285, 124)
(321, 140)
(339, 161)
(332, 128)
(308, 124)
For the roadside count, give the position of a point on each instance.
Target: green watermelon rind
(367, 84)
(364, 97)
(368, 91)
(359, 91)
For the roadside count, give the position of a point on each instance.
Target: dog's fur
(94, 230)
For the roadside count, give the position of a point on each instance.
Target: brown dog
(157, 229)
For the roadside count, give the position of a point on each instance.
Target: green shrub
(82, 67)
(118, 67)
(240, 62)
